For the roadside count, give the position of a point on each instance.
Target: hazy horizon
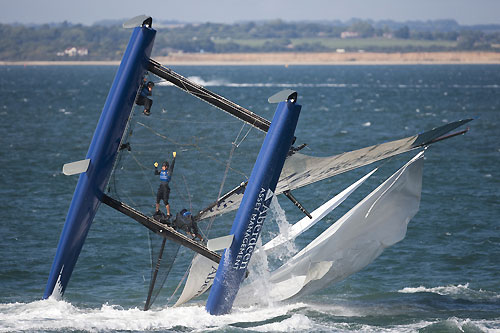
(464, 12)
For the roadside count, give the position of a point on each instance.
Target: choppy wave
(200, 81)
(61, 316)
(461, 290)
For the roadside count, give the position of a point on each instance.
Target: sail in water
(354, 241)
(202, 270)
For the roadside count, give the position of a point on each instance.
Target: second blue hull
(253, 209)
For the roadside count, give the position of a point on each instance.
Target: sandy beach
(294, 58)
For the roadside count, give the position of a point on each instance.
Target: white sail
(355, 240)
(200, 278)
(306, 223)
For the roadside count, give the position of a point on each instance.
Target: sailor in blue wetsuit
(164, 190)
(142, 99)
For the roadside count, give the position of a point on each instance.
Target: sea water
(444, 276)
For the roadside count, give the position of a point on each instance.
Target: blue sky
(465, 12)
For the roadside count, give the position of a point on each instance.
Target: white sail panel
(200, 278)
(306, 223)
(355, 240)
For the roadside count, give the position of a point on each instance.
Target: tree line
(100, 42)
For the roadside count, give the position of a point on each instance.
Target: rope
(142, 167)
(195, 146)
(228, 163)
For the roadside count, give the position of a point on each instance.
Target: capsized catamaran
(347, 246)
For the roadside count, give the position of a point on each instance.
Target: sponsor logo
(208, 281)
(254, 228)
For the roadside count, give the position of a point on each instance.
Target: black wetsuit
(143, 99)
(186, 222)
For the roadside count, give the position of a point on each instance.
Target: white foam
(202, 82)
(447, 290)
(224, 83)
(279, 217)
(52, 315)
(296, 322)
(198, 80)
(461, 290)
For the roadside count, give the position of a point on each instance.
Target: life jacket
(164, 176)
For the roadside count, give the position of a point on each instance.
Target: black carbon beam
(206, 95)
(160, 228)
(290, 196)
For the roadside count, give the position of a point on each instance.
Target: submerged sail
(355, 240)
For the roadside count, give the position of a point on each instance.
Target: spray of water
(287, 250)
(259, 270)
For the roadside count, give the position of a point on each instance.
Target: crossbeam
(210, 97)
(160, 228)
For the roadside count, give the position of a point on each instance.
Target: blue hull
(102, 154)
(248, 222)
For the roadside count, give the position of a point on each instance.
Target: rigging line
(231, 153)
(194, 144)
(216, 160)
(243, 139)
(212, 219)
(189, 145)
(142, 168)
(188, 193)
(175, 142)
(159, 134)
(204, 122)
(182, 197)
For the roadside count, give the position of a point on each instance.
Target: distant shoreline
(294, 58)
